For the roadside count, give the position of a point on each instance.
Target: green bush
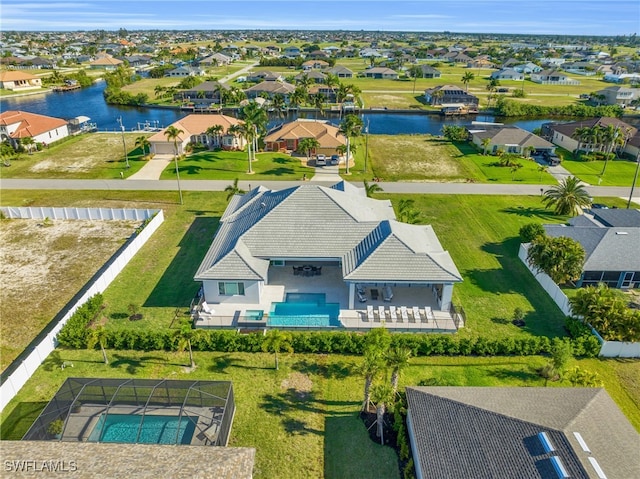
(74, 333)
(531, 231)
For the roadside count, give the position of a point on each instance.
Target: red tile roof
(30, 124)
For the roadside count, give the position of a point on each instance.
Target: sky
(560, 17)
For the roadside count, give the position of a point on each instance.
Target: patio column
(445, 301)
(352, 293)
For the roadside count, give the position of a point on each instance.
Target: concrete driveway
(153, 169)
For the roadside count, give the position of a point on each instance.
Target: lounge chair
(403, 314)
(392, 313)
(362, 297)
(370, 316)
(360, 289)
(206, 308)
(429, 314)
(381, 313)
(416, 314)
(387, 293)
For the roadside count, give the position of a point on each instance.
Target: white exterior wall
(447, 292)
(564, 141)
(252, 290)
(52, 135)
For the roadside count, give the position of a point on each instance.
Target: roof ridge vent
(596, 466)
(621, 233)
(546, 443)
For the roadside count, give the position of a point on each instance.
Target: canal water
(90, 102)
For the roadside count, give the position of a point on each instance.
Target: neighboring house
(194, 128)
(328, 93)
(205, 93)
(509, 139)
(561, 134)
(457, 57)
(314, 65)
(552, 77)
(622, 77)
(106, 62)
(527, 432)
(480, 63)
(265, 75)
(580, 68)
(16, 125)
(427, 71)
(315, 75)
(19, 81)
(449, 94)
(381, 72)
(270, 88)
(290, 134)
(507, 74)
(528, 67)
(138, 60)
(185, 71)
(340, 71)
(215, 60)
(355, 240)
(291, 52)
(619, 95)
(611, 240)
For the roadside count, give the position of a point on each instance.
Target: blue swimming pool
(128, 428)
(304, 310)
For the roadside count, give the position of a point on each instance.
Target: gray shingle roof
(471, 432)
(607, 249)
(319, 222)
(618, 217)
(510, 135)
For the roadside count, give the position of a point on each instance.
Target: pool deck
(232, 315)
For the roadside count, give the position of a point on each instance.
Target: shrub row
(74, 333)
(341, 342)
(505, 107)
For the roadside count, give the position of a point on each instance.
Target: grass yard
(94, 155)
(228, 165)
(617, 173)
(430, 158)
(303, 418)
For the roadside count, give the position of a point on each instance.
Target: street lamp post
(124, 144)
(635, 178)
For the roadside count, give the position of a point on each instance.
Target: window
(231, 289)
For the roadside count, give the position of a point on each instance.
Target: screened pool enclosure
(142, 411)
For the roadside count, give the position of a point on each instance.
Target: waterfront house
(449, 94)
(204, 94)
(328, 247)
(194, 129)
(563, 134)
(16, 125)
(288, 136)
(270, 88)
(509, 139)
(19, 81)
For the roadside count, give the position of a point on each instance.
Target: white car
(321, 160)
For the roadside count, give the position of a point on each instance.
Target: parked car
(321, 160)
(551, 158)
(502, 90)
(335, 159)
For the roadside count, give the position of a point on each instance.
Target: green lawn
(617, 173)
(88, 156)
(301, 419)
(430, 158)
(227, 165)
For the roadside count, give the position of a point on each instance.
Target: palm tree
(173, 133)
(350, 127)
(255, 116)
(436, 97)
(276, 341)
(216, 131)
(244, 131)
(299, 96)
(307, 145)
(569, 197)
(381, 395)
(485, 145)
(159, 90)
(318, 102)
(29, 143)
(233, 189)
(184, 335)
(278, 103)
(371, 188)
(370, 368)
(542, 169)
(397, 359)
(98, 336)
(143, 143)
(466, 78)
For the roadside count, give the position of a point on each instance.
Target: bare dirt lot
(42, 267)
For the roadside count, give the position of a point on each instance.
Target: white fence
(608, 349)
(19, 372)
(42, 212)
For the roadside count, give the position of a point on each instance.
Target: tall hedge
(74, 333)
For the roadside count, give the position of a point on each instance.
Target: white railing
(20, 370)
(608, 349)
(42, 212)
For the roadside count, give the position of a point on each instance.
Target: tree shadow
(176, 287)
(278, 171)
(530, 212)
(17, 423)
(222, 363)
(118, 315)
(133, 365)
(190, 169)
(507, 374)
(338, 370)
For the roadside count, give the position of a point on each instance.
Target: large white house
(16, 125)
(333, 241)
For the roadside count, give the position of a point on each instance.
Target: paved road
(217, 185)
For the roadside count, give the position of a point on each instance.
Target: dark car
(335, 159)
(551, 158)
